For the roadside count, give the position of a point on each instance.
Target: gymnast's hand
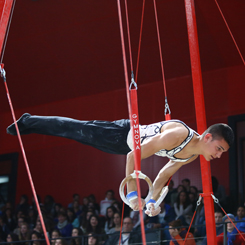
(134, 204)
(133, 200)
(151, 210)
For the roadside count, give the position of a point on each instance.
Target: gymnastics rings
(133, 176)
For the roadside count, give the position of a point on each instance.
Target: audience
(81, 221)
(233, 237)
(37, 238)
(183, 207)
(109, 218)
(240, 218)
(63, 225)
(186, 183)
(93, 239)
(55, 234)
(128, 236)
(218, 215)
(116, 222)
(178, 234)
(107, 202)
(175, 194)
(12, 237)
(171, 191)
(76, 236)
(25, 233)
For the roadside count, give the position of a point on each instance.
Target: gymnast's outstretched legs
(107, 136)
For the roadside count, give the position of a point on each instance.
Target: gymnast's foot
(21, 125)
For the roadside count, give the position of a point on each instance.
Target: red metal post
(200, 118)
(5, 10)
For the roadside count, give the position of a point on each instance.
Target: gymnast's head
(218, 138)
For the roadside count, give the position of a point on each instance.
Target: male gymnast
(172, 139)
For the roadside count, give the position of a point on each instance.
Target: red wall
(61, 167)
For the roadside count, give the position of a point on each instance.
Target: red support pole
(5, 10)
(200, 118)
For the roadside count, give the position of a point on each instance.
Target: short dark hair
(176, 224)
(221, 130)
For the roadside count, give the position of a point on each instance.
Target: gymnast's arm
(169, 139)
(163, 176)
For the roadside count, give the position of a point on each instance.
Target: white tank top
(149, 131)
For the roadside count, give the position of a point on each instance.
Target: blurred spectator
(39, 229)
(8, 219)
(85, 204)
(96, 206)
(36, 237)
(183, 207)
(240, 217)
(171, 190)
(49, 204)
(117, 223)
(77, 208)
(17, 229)
(76, 236)
(135, 216)
(117, 205)
(54, 235)
(75, 197)
(93, 225)
(218, 215)
(109, 218)
(93, 239)
(63, 225)
(4, 230)
(11, 237)
(25, 233)
(128, 236)
(186, 183)
(57, 209)
(233, 237)
(32, 218)
(175, 194)
(199, 221)
(107, 202)
(85, 220)
(23, 205)
(178, 234)
(60, 241)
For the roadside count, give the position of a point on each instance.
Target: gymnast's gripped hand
(134, 204)
(151, 210)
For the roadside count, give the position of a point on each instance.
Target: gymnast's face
(214, 148)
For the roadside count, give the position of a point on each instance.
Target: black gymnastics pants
(110, 137)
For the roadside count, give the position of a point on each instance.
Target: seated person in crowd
(178, 234)
(135, 216)
(171, 191)
(218, 215)
(240, 217)
(116, 222)
(107, 202)
(186, 183)
(174, 196)
(109, 218)
(183, 207)
(128, 236)
(63, 225)
(233, 237)
(93, 239)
